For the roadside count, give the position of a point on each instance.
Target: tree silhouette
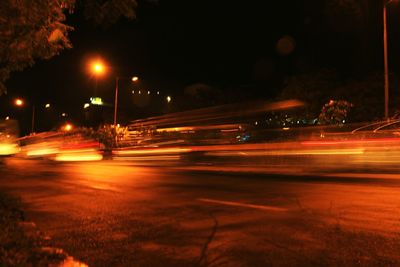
(37, 29)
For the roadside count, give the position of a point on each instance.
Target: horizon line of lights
(144, 92)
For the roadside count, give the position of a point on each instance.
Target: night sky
(229, 45)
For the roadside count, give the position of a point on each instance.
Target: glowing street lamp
(169, 99)
(98, 68)
(19, 102)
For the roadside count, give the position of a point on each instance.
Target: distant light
(158, 92)
(344, 121)
(96, 101)
(19, 102)
(68, 127)
(7, 118)
(285, 45)
(169, 99)
(148, 92)
(285, 128)
(86, 105)
(64, 114)
(133, 91)
(118, 125)
(47, 105)
(139, 92)
(135, 79)
(256, 123)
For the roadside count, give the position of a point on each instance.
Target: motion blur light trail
(218, 113)
(8, 149)
(226, 138)
(222, 139)
(79, 155)
(172, 150)
(299, 157)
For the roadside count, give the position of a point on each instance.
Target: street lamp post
(133, 79)
(46, 106)
(385, 62)
(116, 101)
(20, 102)
(98, 68)
(385, 58)
(33, 119)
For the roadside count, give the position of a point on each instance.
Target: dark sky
(171, 44)
(226, 44)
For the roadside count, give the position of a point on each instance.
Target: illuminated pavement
(112, 214)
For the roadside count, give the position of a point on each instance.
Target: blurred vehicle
(60, 146)
(43, 145)
(9, 138)
(78, 148)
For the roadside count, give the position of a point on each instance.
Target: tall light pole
(98, 68)
(33, 119)
(133, 79)
(385, 56)
(116, 101)
(386, 68)
(46, 106)
(19, 103)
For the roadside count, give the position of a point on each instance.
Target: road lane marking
(364, 175)
(244, 205)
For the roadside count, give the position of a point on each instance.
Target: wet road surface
(114, 214)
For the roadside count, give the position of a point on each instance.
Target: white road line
(364, 175)
(238, 204)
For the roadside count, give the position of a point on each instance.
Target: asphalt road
(113, 214)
